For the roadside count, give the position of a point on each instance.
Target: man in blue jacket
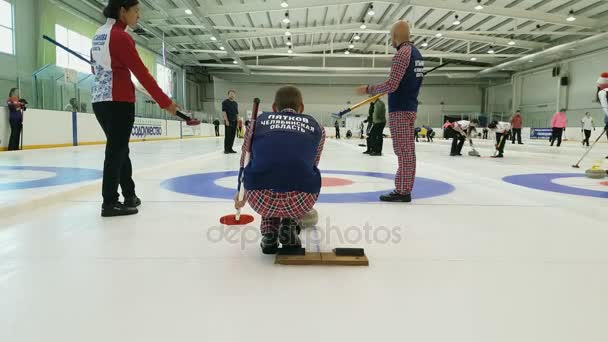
(282, 181)
(403, 86)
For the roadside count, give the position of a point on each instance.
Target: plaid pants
(273, 206)
(402, 131)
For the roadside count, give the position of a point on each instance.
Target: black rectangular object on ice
(292, 251)
(349, 252)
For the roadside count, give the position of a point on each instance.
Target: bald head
(400, 33)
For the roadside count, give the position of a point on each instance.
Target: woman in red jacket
(114, 58)
(15, 118)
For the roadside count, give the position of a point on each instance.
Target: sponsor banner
(148, 128)
(541, 133)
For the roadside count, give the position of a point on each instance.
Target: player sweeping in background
(501, 129)
(460, 131)
(282, 181)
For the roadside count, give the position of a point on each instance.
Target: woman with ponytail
(114, 58)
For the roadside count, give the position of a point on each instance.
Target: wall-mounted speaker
(563, 81)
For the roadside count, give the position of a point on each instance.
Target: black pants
(429, 136)
(485, 134)
(376, 139)
(457, 140)
(217, 130)
(557, 135)
(229, 136)
(587, 136)
(337, 132)
(516, 132)
(116, 120)
(16, 127)
(416, 136)
(500, 142)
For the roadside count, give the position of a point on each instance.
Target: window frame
(12, 29)
(85, 69)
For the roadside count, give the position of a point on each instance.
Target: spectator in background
(216, 124)
(361, 130)
(83, 107)
(370, 123)
(16, 107)
(72, 106)
(240, 129)
(586, 125)
(376, 139)
(430, 133)
(337, 126)
(516, 124)
(558, 124)
(230, 109)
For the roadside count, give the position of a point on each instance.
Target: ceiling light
(479, 7)
(438, 34)
(289, 42)
(571, 16)
(531, 61)
(188, 11)
(222, 48)
(287, 33)
(363, 26)
(473, 59)
(351, 46)
(371, 12)
(512, 42)
(424, 43)
(290, 51)
(357, 36)
(456, 21)
(491, 51)
(347, 52)
(213, 38)
(286, 19)
(284, 4)
(235, 62)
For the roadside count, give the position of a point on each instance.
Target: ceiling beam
(459, 75)
(211, 8)
(337, 70)
(203, 18)
(354, 28)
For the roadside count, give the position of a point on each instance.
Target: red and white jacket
(114, 57)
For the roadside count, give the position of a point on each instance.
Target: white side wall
(322, 100)
(43, 128)
(539, 94)
(499, 98)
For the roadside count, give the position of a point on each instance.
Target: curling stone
(310, 219)
(595, 172)
(474, 153)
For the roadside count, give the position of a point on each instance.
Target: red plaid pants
(273, 206)
(402, 131)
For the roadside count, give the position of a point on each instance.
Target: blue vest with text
(283, 154)
(405, 98)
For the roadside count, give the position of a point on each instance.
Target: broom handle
(254, 116)
(589, 149)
